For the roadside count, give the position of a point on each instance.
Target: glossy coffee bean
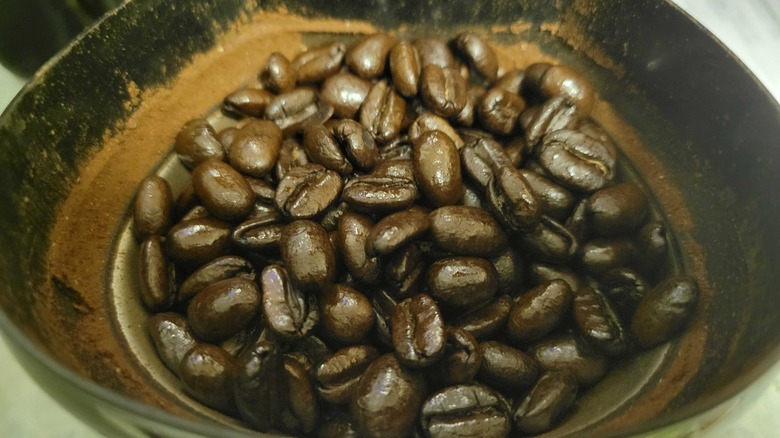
(153, 208)
(479, 54)
(462, 282)
(565, 353)
(664, 310)
(505, 368)
(259, 386)
(554, 200)
(395, 231)
(291, 154)
(337, 377)
(499, 110)
(487, 321)
(245, 338)
(396, 168)
(330, 220)
(467, 231)
(461, 360)
(468, 115)
(346, 315)
(539, 311)
(278, 74)
(384, 304)
(158, 281)
(546, 404)
(221, 268)
(510, 269)
(258, 234)
(345, 92)
(226, 136)
(264, 190)
(437, 168)
(577, 161)
(255, 148)
(512, 200)
(511, 81)
(289, 312)
(481, 156)
(617, 209)
(310, 350)
(598, 323)
(382, 112)
(560, 80)
(404, 271)
(599, 256)
(378, 194)
(553, 115)
(418, 331)
(322, 148)
(247, 102)
(405, 68)
(308, 255)
(292, 110)
(356, 141)
(383, 413)
(539, 273)
(399, 148)
(651, 247)
(316, 64)
(549, 242)
(625, 288)
(197, 241)
(171, 337)
(353, 230)
(301, 410)
(222, 308)
(306, 191)
(468, 410)
(432, 122)
(207, 373)
(197, 142)
(337, 424)
(222, 190)
(368, 57)
(434, 51)
(443, 90)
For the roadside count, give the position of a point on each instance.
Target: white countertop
(750, 28)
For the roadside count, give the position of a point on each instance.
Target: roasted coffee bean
(291, 154)
(247, 102)
(382, 112)
(405, 270)
(560, 80)
(462, 282)
(158, 279)
(473, 196)
(153, 208)
(289, 312)
(546, 404)
(345, 92)
(368, 57)
(197, 241)
(515, 151)
(466, 411)
(207, 373)
(293, 110)
(577, 222)
(306, 191)
(379, 412)
(259, 234)
(337, 425)
(308, 255)
(278, 74)
(437, 168)
(468, 115)
(222, 308)
(479, 54)
(467, 231)
(223, 190)
(598, 323)
(432, 122)
(549, 242)
(485, 322)
(651, 248)
(259, 386)
(398, 168)
(171, 337)
(316, 64)
(353, 229)
(499, 110)
(378, 194)
(330, 220)
(226, 136)
(322, 148)
(509, 267)
(625, 288)
(400, 148)
(505, 368)
(301, 411)
(221, 268)
(616, 210)
(539, 311)
(461, 359)
(554, 200)
(255, 148)
(555, 114)
(244, 339)
(664, 310)
(434, 51)
(418, 331)
(346, 315)
(356, 141)
(601, 255)
(405, 67)
(396, 230)
(338, 376)
(384, 306)
(577, 161)
(196, 142)
(264, 191)
(443, 90)
(512, 200)
(511, 81)
(540, 273)
(312, 349)
(481, 157)
(566, 353)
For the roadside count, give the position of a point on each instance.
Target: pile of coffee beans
(398, 238)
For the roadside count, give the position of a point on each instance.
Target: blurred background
(32, 31)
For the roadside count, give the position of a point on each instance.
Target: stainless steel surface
(750, 28)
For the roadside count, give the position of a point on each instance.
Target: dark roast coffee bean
(197, 142)
(481, 156)
(207, 373)
(434, 51)
(316, 64)
(664, 310)
(511, 81)
(291, 154)
(245, 338)
(485, 322)
(158, 281)
(539, 311)
(512, 200)
(258, 234)
(577, 161)
(311, 349)
(601, 255)
(289, 312)
(565, 353)
(443, 90)
(405, 68)
(437, 168)
(400, 148)
(499, 109)
(306, 191)
(264, 191)
(308, 255)
(222, 308)
(510, 268)
(356, 142)
(384, 306)
(473, 196)
(353, 230)
(432, 122)
(368, 57)
(465, 411)
(461, 360)
(293, 110)
(396, 230)
(616, 210)
(255, 148)
(259, 386)
(405, 270)
(337, 425)
(546, 404)
(554, 200)
(505, 368)
(153, 208)
(338, 376)
(321, 147)
(560, 80)
(382, 112)
(515, 151)
(467, 231)
(598, 323)
(197, 241)
(625, 288)
(549, 242)
(223, 190)
(171, 337)
(346, 315)
(387, 413)
(278, 74)
(474, 94)
(553, 115)
(345, 92)
(540, 273)
(221, 268)
(226, 136)
(479, 54)
(418, 331)
(462, 282)
(397, 168)
(247, 102)
(330, 220)
(377, 194)
(651, 247)
(301, 411)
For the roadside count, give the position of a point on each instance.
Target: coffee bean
(651, 247)
(221, 268)
(576, 160)
(259, 386)
(541, 273)
(382, 112)
(598, 323)
(301, 411)
(246, 102)
(437, 168)
(560, 80)
(539, 311)
(353, 229)
(306, 191)
(289, 312)
(487, 321)
(379, 194)
(337, 425)
(226, 136)
(346, 315)
(396, 168)
(291, 154)
(259, 235)
(434, 51)
(462, 282)
(400, 148)
(338, 376)
(158, 280)
(565, 353)
(321, 148)
(468, 115)
(505, 368)
(468, 410)
(664, 310)
(510, 268)
(368, 57)
(432, 122)
(207, 374)
(443, 90)
(153, 208)
(317, 64)
(384, 306)
(345, 92)
(511, 81)
(499, 109)
(616, 210)
(625, 288)
(405, 68)
(308, 255)
(548, 401)
(196, 142)
(405, 270)
(171, 337)
(396, 230)
(197, 241)
(479, 54)
(356, 141)
(461, 360)
(553, 115)
(467, 231)
(481, 156)
(264, 190)
(222, 308)
(418, 331)
(223, 191)
(255, 148)
(554, 200)
(278, 74)
(512, 200)
(549, 242)
(295, 109)
(601, 255)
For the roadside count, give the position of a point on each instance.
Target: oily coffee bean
(368, 57)
(560, 80)
(197, 241)
(506, 368)
(554, 200)
(510, 269)
(311, 351)
(566, 353)
(322, 148)
(651, 248)
(319, 63)
(576, 160)
(499, 110)
(432, 122)
(308, 255)
(539, 311)
(405, 67)
(258, 234)
(226, 136)
(434, 51)
(479, 54)
(418, 331)
(221, 268)
(387, 413)
(157, 276)
(306, 191)
(244, 339)
(549, 400)
(467, 231)
(398, 168)
(353, 231)
(207, 373)
(511, 81)
(437, 168)
(549, 242)
(278, 74)
(539, 273)
(555, 114)
(598, 323)
(330, 220)
(404, 271)
(485, 322)
(468, 410)
(293, 110)
(264, 190)
(246, 102)
(473, 196)
(384, 306)
(153, 208)
(462, 282)
(400, 148)
(259, 387)
(356, 141)
(255, 149)
(395, 231)
(345, 92)
(223, 191)
(338, 376)
(468, 115)
(172, 338)
(301, 411)
(291, 154)
(625, 288)
(346, 315)
(512, 200)
(616, 210)
(663, 310)
(382, 112)
(289, 312)
(599, 256)
(443, 90)
(481, 157)
(222, 308)
(378, 194)
(337, 424)
(461, 360)
(196, 142)
(197, 212)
